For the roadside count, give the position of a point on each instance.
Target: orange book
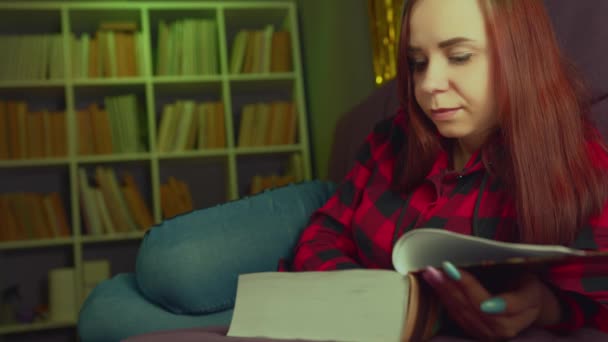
(60, 214)
(13, 230)
(102, 134)
(94, 57)
(4, 131)
(36, 135)
(129, 44)
(58, 134)
(22, 126)
(121, 53)
(140, 210)
(211, 125)
(178, 191)
(14, 135)
(250, 52)
(169, 202)
(291, 125)
(85, 133)
(23, 215)
(42, 230)
(185, 196)
(281, 58)
(5, 232)
(221, 125)
(256, 184)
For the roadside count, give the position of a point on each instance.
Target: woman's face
(450, 60)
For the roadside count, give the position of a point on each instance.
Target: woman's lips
(444, 113)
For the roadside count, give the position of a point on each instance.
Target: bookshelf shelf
(115, 237)
(27, 244)
(211, 153)
(110, 81)
(288, 76)
(114, 158)
(19, 328)
(32, 84)
(187, 79)
(267, 150)
(91, 88)
(33, 162)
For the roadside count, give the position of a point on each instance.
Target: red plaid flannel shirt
(359, 224)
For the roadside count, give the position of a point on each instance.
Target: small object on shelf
(62, 303)
(25, 315)
(10, 300)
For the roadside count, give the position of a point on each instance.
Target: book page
(424, 247)
(350, 305)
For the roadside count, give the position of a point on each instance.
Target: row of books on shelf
(175, 198)
(184, 47)
(188, 125)
(114, 50)
(28, 216)
(117, 128)
(293, 174)
(31, 57)
(267, 124)
(261, 51)
(110, 206)
(187, 47)
(31, 134)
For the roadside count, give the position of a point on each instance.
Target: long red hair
(541, 149)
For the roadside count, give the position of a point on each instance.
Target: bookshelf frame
(148, 82)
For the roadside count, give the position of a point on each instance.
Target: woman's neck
(461, 153)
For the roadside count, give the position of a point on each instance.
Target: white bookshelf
(230, 166)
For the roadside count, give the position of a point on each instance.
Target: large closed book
(384, 305)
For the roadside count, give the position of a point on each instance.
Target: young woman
(492, 140)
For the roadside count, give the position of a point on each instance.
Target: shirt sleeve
(327, 242)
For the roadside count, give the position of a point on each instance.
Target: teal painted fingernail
(451, 270)
(494, 306)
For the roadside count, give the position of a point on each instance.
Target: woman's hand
(481, 315)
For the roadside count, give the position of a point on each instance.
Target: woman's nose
(434, 79)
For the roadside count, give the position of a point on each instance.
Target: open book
(381, 305)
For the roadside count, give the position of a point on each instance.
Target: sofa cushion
(190, 264)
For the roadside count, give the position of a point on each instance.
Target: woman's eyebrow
(444, 44)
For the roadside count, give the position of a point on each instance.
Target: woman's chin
(451, 132)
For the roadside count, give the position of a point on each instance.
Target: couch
(187, 267)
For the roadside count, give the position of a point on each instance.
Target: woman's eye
(461, 59)
(417, 64)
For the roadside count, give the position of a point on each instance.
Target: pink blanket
(218, 334)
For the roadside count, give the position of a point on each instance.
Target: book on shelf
(114, 129)
(383, 305)
(187, 125)
(187, 47)
(109, 206)
(28, 57)
(32, 216)
(293, 174)
(114, 50)
(175, 198)
(267, 124)
(261, 51)
(26, 134)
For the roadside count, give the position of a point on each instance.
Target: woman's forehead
(436, 21)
